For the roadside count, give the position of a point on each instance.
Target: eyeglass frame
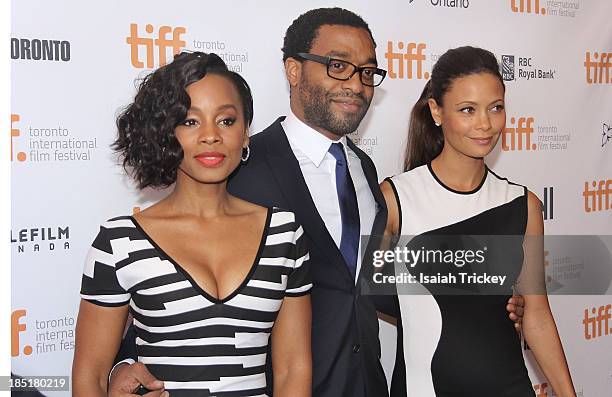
(357, 69)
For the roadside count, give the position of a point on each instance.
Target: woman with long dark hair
(457, 338)
(211, 280)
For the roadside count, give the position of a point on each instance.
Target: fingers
(127, 378)
(519, 310)
(157, 393)
(515, 311)
(520, 301)
(122, 382)
(144, 377)
(517, 327)
(515, 308)
(517, 300)
(516, 305)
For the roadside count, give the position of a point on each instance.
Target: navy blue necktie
(349, 210)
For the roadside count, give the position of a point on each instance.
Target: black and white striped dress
(196, 344)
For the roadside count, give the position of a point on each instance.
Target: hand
(127, 378)
(516, 307)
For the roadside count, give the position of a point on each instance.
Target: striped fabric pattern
(197, 344)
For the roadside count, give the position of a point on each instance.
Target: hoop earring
(244, 157)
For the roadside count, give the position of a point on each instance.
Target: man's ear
(293, 71)
(436, 110)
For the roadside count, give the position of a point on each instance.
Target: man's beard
(318, 113)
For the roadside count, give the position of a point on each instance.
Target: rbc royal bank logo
(524, 68)
(507, 67)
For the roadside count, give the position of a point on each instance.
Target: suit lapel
(286, 170)
(380, 220)
(370, 173)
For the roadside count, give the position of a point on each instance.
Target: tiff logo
(162, 42)
(600, 64)
(527, 6)
(21, 156)
(593, 199)
(518, 137)
(17, 328)
(598, 324)
(402, 63)
(547, 204)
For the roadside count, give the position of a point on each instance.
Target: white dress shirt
(318, 166)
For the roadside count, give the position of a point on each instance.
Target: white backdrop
(73, 68)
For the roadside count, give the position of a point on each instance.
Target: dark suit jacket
(345, 345)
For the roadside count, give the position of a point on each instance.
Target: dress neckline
(194, 284)
(450, 189)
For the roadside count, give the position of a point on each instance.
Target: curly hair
(304, 30)
(146, 142)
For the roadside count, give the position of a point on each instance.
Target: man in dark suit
(291, 167)
(305, 163)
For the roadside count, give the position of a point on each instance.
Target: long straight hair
(425, 139)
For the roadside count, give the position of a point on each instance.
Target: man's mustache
(359, 97)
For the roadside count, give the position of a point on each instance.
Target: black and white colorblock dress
(196, 344)
(461, 345)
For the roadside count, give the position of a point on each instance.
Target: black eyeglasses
(343, 70)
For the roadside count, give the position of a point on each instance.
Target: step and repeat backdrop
(75, 65)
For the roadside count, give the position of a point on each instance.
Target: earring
(248, 153)
(437, 124)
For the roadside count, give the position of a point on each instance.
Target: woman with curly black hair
(208, 277)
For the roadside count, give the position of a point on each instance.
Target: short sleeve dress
(196, 344)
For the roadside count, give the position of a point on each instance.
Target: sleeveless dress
(460, 342)
(197, 344)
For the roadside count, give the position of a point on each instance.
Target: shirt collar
(309, 141)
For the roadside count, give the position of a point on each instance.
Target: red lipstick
(210, 159)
